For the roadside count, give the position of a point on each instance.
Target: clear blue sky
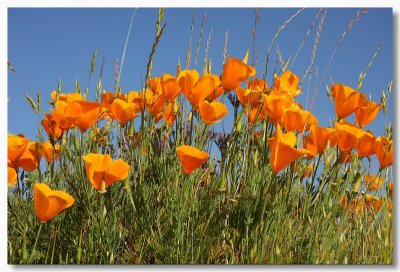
(46, 45)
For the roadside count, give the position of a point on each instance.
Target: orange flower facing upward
(49, 203)
(212, 112)
(51, 153)
(16, 147)
(287, 83)
(103, 171)
(367, 112)
(366, 144)
(283, 151)
(12, 176)
(297, 119)
(66, 114)
(235, 72)
(51, 127)
(170, 87)
(373, 182)
(347, 136)
(91, 113)
(384, 151)
(191, 158)
(170, 113)
(347, 100)
(123, 111)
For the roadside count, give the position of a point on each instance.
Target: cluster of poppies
(260, 102)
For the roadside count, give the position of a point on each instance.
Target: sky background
(46, 45)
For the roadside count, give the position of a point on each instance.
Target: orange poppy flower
(367, 112)
(191, 158)
(356, 205)
(155, 104)
(170, 113)
(66, 114)
(283, 151)
(218, 89)
(297, 119)
(212, 112)
(51, 153)
(347, 136)
(30, 159)
(347, 100)
(275, 104)
(123, 111)
(49, 203)
(373, 182)
(203, 88)
(186, 80)
(16, 147)
(51, 127)
(155, 85)
(170, 87)
(136, 98)
(373, 202)
(248, 96)
(70, 97)
(384, 151)
(235, 72)
(286, 83)
(257, 84)
(318, 139)
(103, 171)
(12, 176)
(254, 114)
(366, 144)
(91, 113)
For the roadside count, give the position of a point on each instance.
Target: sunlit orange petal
(384, 151)
(170, 86)
(367, 113)
(49, 203)
(212, 112)
(235, 72)
(347, 100)
(12, 176)
(191, 158)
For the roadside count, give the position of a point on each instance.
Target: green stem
(34, 246)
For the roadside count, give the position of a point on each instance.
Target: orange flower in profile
(212, 112)
(186, 80)
(366, 144)
(103, 171)
(170, 113)
(66, 114)
(170, 87)
(91, 113)
(191, 158)
(12, 176)
(248, 96)
(218, 89)
(155, 85)
(347, 136)
(30, 159)
(275, 104)
(373, 182)
(283, 151)
(49, 203)
(286, 83)
(51, 153)
(318, 139)
(235, 72)
(123, 111)
(297, 119)
(202, 89)
(384, 151)
(257, 84)
(367, 112)
(347, 100)
(51, 127)
(155, 104)
(16, 147)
